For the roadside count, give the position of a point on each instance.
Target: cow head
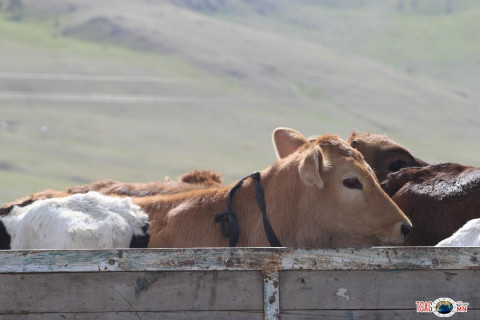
(383, 154)
(339, 200)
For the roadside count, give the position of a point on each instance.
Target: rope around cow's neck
(228, 215)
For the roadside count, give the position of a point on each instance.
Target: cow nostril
(405, 229)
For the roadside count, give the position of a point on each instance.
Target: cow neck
(229, 215)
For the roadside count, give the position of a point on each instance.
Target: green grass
(20, 184)
(41, 35)
(430, 44)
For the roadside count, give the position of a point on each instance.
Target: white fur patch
(466, 236)
(80, 221)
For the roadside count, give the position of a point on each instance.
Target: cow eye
(353, 183)
(397, 165)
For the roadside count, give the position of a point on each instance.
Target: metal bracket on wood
(271, 298)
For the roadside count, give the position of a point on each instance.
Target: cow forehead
(333, 144)
(373, 138)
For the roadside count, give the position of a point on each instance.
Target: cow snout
(405, 229)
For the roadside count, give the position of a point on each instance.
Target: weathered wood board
(375, 290)
(388, 294)
(173, 315)
(371, 314)
(131, 291)
(238, 283)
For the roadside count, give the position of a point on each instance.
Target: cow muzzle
(405, 230)
(397, 234)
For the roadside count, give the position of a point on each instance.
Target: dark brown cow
(318, 194)
(438, 199)
(383, 154)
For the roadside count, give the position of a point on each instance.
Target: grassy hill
(433, 37)
(140, 90)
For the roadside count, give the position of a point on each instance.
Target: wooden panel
(131, 291)
(370, 314)
(382, 289)
(178, 315)
(194, 284)
(411, 258)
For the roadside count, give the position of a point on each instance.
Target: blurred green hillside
(137, 90)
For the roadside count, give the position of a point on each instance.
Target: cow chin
(357, 241)
(389, 240)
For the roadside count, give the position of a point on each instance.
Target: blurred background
(140, 90)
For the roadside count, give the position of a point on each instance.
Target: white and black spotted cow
(80, 221)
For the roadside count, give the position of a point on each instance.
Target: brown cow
(319, 194)
(438, 199)
(189, 181)
(383, 154)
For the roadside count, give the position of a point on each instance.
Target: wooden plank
(370, 314)
(131, 291)
(72, 316)
(177, 315)
(381, 258)
(382, 289)
(242, 315)
(411, 258)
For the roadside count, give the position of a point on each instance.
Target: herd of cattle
(321, 192)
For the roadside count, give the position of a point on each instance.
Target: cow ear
(286, 141)
(352, 137)
(309, 169)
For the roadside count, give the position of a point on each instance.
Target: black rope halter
(228, 215)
